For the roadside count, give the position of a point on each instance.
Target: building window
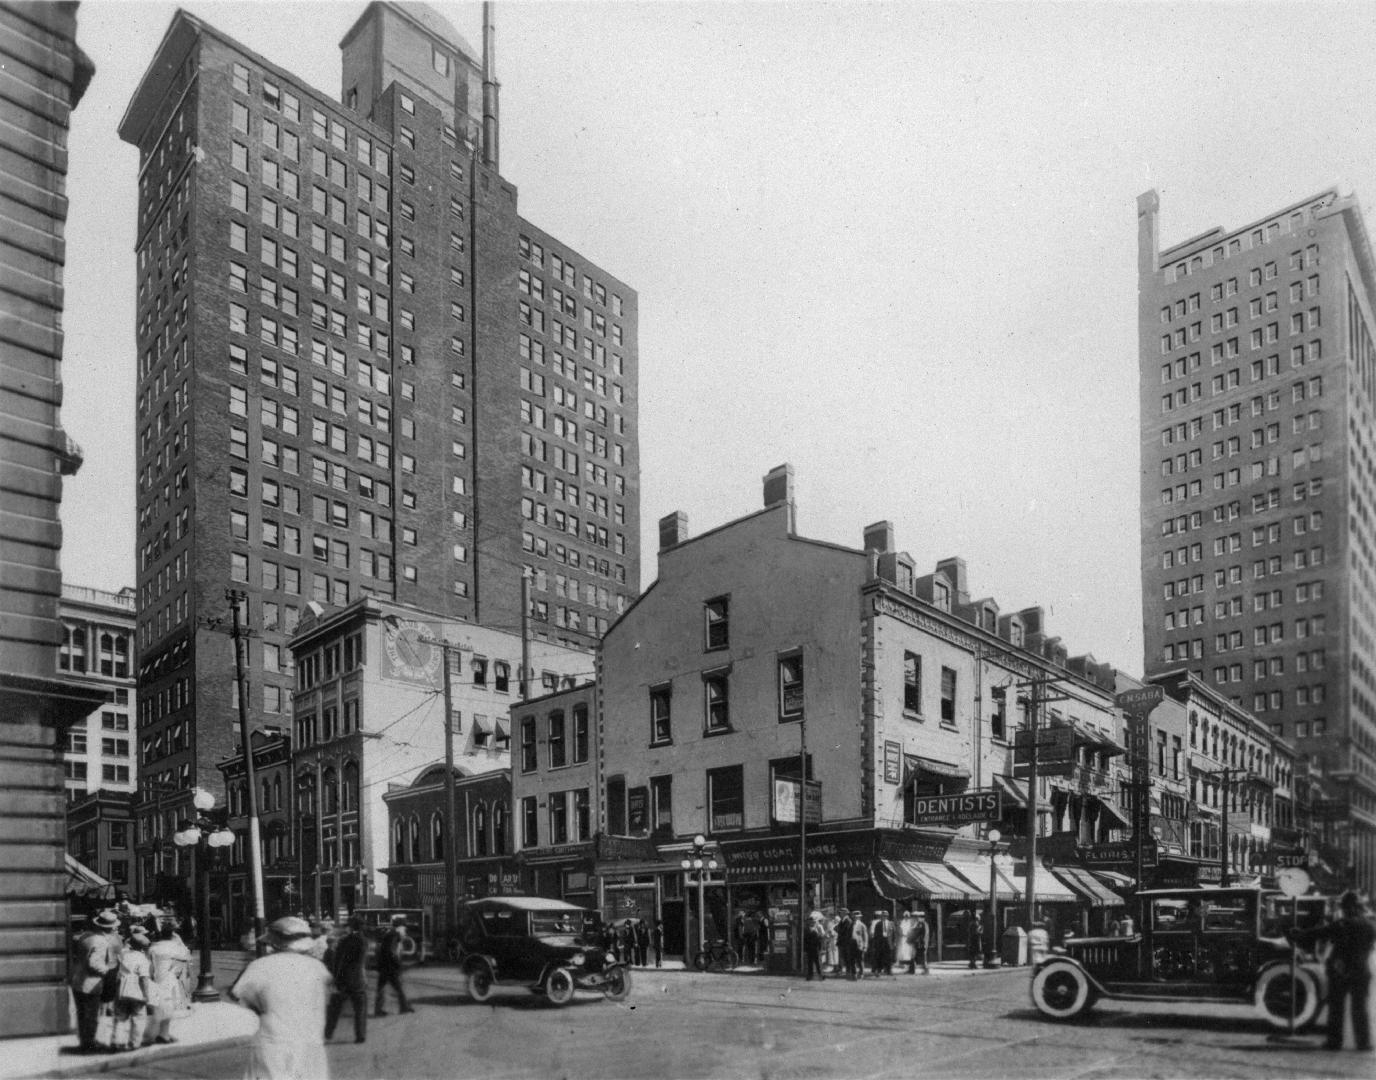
(530, 822)
(912, 682)
(948, 695)
(579, 732)
(559, 818)
(726, 798)
(558, 748)
(718, 624)
(791, 687)
(529, 759)
(499, 829)
(582, 815)
(436, 837)
(661, 716)
(662, 804)
(717, 715)
(480, 830)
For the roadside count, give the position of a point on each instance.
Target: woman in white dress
(171, 963)
(833, 953)
(289, 990)
(904, 955)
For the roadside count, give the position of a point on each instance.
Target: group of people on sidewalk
(136, 978)
(849, 942)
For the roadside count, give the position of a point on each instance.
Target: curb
(94, 1066)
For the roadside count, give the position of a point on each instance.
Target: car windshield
(573, 925)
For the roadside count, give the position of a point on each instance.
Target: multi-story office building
(361, 372)
(46, 75)
(1258, 390)
(98, 650)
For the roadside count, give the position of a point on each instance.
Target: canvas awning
(83, 881)
(1050, 889)
(974, 868)
(482, 723)
(503, 728)
(898, 879)
(1014, 791)
(918, 767)
(1084, 883)
(1118, 819)
(1112, 877)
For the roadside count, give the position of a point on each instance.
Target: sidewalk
(208, 1024)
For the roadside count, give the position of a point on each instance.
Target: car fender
(473, 959)
(1063, 958)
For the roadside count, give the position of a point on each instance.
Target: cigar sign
(957, 809)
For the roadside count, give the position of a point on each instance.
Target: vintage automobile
(1194, 944)
(546, 946)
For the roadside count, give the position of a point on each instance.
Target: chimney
(954, 569)
(673, 530)
(879, 537)
(778, 490)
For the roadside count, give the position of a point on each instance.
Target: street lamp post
(202, 836)
(992, 957)
(699, 861)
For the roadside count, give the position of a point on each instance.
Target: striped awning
(974, 868)
(898, 879)
(1084, 883)
(1014, 791)
(1112, 877)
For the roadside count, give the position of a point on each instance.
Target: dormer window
(941, 595)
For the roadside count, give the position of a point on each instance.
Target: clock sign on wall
(412, 653)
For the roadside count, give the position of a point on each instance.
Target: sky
(891, 244)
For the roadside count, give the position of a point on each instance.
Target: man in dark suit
(389, 965)
(350, 981)
(641, 933)
(1348, 968)
(97, 955)
(845, 944)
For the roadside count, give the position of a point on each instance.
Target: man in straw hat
(289, 990)
(97, 954)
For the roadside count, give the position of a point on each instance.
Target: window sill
(794, 718)
(661, 742)
(709, 733)
(913, 714)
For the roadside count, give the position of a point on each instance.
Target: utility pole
(450, 833)
(526, 574)
(1034, 722)
(802, 841)
(255, 843)
(1226, 778)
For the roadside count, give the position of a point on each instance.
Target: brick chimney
(954, 569)
(879, 536)
(673, 530)
(778, 490)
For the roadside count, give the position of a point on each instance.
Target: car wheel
(1061, 990)
(1274, 994)
(618, 984)
(702, 960)
(480, 982)
(559, 986)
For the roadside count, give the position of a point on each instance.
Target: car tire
(618, 984)
(702, 960)
(1272, 995)
(559, 986)
(480, 982)
(1061, 990)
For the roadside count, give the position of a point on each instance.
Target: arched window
(499, 829)
(107, 654)
(350, 786)
(331, 781)
(78, 649)
(415, 838)
(121, 656)
(480, 830)
(436, 836)
(398, 841)
(277, 792)
(266, 804)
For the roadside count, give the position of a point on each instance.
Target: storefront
(477, 878)
(560, 873)
(910, 870)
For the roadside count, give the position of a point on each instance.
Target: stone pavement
(211, 1025)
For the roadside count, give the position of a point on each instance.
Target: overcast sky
(892, 244)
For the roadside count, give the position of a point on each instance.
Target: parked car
(546, 946)
(1209, 944)
(416, 948)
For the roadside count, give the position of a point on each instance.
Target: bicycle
(718, 956)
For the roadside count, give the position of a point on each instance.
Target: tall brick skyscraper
(1258, 414)
(360, 371)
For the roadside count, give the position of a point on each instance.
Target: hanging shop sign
(962, 809)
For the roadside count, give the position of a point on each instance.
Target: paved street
(679, 1024)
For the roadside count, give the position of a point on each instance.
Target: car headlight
(577, 960)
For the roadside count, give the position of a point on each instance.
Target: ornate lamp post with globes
(992, 957)
(700, 861)
(202, 837)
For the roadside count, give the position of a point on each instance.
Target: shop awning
(83, 881)
(503, 728)
(1050, 889)
(1014, 791)
(1083, 882)
(1117, 818)
(482, 723)
(1112, 877)
(945, 770)
(974, 868)
(898, 879)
